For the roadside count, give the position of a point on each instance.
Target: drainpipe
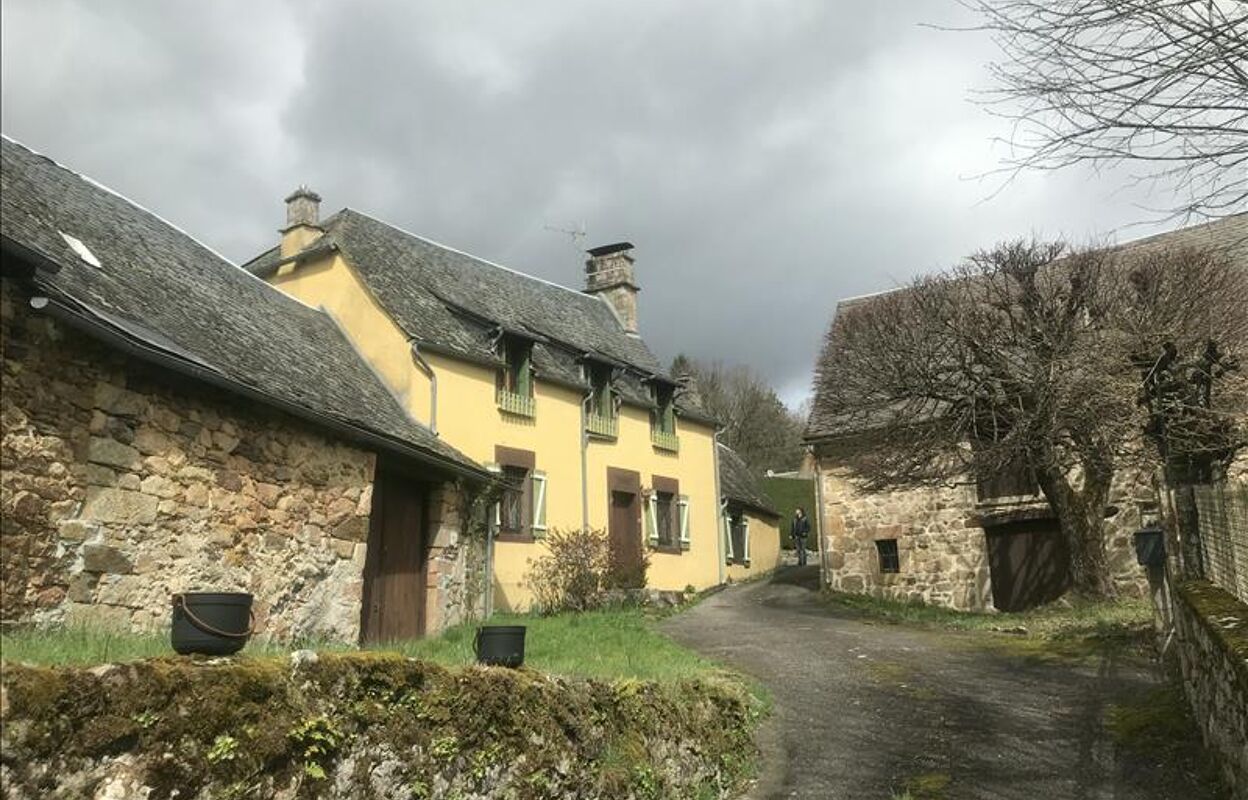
(489, 563)
(721, 525)
(585, 458)
(426, 368)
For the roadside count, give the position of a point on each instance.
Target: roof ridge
(103, 187)
(485, 261)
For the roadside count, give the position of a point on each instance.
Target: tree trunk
(1081, 516)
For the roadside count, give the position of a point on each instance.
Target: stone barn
(172, 423)
(978, 544)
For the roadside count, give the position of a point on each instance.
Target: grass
(1059, 620)
(617, 643)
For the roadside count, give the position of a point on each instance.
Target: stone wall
(940, 537)
(1211, 640)
(121, 483)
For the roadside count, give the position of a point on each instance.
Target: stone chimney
(303, 212)
(609, 274)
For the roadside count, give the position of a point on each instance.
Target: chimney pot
(609, 274)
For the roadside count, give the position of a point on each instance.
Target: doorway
(394, 570)
(624, 528)
(1029, 563)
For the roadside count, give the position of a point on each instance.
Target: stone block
(343, 549)
(129, 481)
(76, 530)
(353, 529)
(110, 452)
(119, 505)
(118, 401)
(268, 494)
(81, 587)
(103, 558)
(150, 442)
(159, 486)
(98, 475)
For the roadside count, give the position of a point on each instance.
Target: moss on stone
(257, 724)
(1224, 616)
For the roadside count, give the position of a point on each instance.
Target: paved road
(864, 710)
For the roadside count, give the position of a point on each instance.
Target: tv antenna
(576, 235)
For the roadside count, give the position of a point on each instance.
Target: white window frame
(537, 523)
(682, 505)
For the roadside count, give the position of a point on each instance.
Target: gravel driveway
(867, 710)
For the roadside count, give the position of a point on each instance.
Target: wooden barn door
(624, 525)
(1030, 564)
(394, 570)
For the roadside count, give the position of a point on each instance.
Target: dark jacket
(799, 527)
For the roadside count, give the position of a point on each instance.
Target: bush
(570, 577)
(581, 572)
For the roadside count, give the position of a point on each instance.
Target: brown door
(624, 528)
(394, 570)
(1029, 562)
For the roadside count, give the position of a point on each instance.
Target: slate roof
(160, 292)
(455, 302)
(739, 485)
(1228, 235)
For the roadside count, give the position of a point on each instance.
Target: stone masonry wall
(1211, 640)
(121, 484)
(941, 541)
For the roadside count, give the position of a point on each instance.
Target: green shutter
(727, 533)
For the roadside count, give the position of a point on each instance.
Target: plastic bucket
(500, 645)
(211, 623)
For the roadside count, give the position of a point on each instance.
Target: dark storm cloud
(767, 158)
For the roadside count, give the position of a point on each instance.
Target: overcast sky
(766, 158)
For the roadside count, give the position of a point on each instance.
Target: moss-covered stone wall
(364, 726)
(1211, 628)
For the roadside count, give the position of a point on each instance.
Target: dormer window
(515, 379)
(602, 419)
(663, 418)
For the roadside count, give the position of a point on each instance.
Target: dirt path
(867, 710)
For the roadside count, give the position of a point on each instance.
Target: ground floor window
(890, 559)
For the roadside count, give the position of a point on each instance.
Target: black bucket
(211, 623)
(500, 645)
(1150, 547)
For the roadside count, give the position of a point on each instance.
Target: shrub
(572, 575)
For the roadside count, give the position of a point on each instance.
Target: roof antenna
(577, 235)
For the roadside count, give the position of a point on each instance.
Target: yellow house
(752, 525)
(549, 386)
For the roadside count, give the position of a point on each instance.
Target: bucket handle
(199, 623)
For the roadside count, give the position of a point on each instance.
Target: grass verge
(608, 644)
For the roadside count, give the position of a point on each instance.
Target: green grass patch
(617, 643)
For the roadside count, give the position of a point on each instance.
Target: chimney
(609, 274)
(303, 211)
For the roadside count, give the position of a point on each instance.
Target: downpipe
(427, 368)
(585, 459)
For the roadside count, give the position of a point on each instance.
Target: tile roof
(158, 288)
(451, 300)
(739, 485)
(1228, 235)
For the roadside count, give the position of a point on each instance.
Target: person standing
(799, 529)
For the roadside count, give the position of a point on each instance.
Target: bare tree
(1163, 83)
(756, 423)
(1031, 357)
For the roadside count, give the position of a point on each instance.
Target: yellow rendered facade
(764, 535)
(468, 418)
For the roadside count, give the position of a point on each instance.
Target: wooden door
(1029, 563)
(624, 528)
(394, 570)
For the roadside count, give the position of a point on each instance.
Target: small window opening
(890, 560)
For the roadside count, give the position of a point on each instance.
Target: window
(738, 538)
(602, 414)
(515, 379)
(663, 418)
(667, 516)
(890, 559)
(512, 516)
(521, 510)
(1015, 480)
